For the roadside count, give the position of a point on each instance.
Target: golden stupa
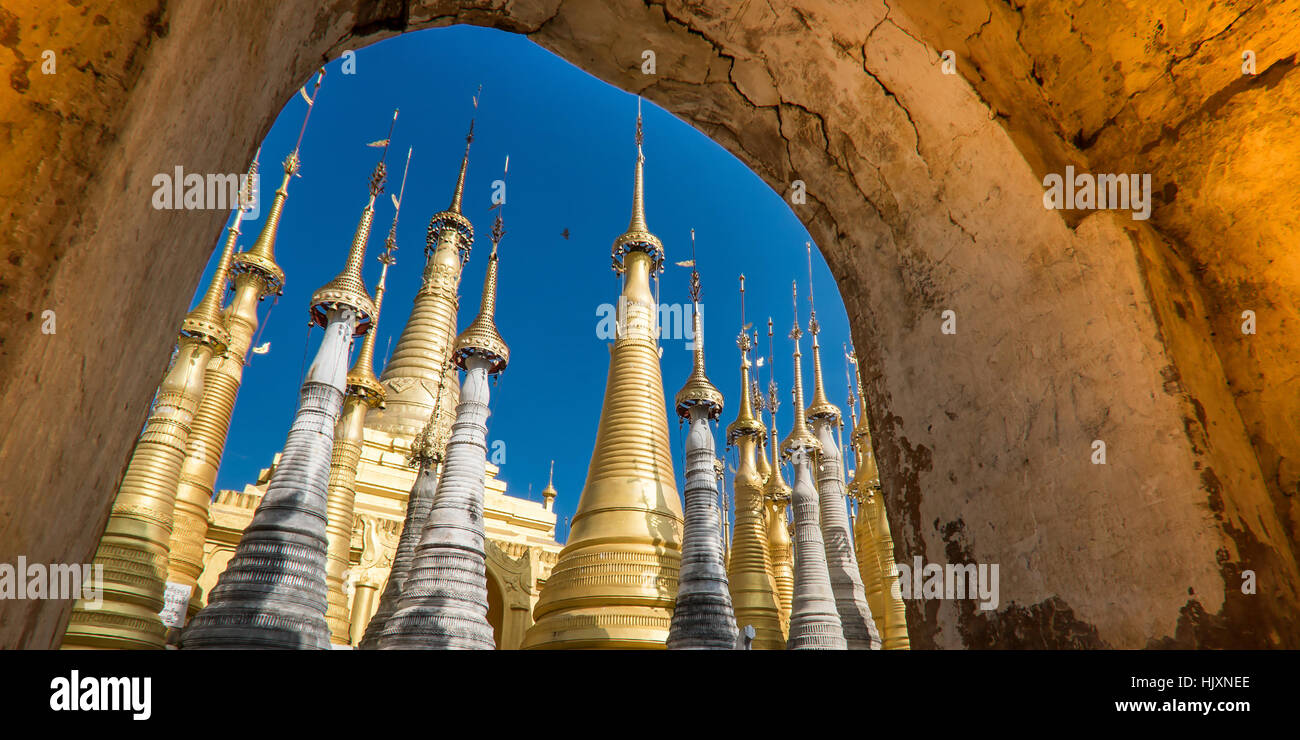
(615, 584)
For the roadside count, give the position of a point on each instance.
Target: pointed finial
(379, 177)
(745, 425)
(800, 441)
(499, 225)
(637, 222)
(260, 257)
(813, 327)
(246, 193)
(638, 234)
(204, 322)
(390, 243)
(819, 407)
(776, 488)
(852, 403)
(452, 220)
(695, 272)
(361, 380)
(549, 493)
(311, 103)
(481, 337)
(698, 391)
(795, 333)
(347, 288)
(459, 194)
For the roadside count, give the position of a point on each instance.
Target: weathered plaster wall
(921, 198)
(1158, 87)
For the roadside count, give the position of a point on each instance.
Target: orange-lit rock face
(924, 193)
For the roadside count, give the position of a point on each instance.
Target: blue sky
(569, 137)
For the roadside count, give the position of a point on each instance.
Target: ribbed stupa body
(272, 594)
(875, 544)
(256, 275)
(846, 582)
(443, 602)
(703, 618)
(412, 375)
(776, 496)
(615, 583)
(814, 619)
(444, 599)
(134, 551)
(749, 570)
(341, 515)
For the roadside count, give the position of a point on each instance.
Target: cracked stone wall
(924, 195)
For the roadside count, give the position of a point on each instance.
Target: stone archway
(922, 194)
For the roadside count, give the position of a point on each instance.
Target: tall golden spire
(777, 494)
(749, 570)
(638, 236)
(255, 275)
(348, 288)
(615, 583)
(800, 437)
(820, 406)
(458, 194)
(261, 256)
(412, 375)
(133, 551)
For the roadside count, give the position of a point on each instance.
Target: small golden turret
(615, 583)
(749, 571)
(549, 493)
(800, 437)
(348, 288)
(776, 496)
